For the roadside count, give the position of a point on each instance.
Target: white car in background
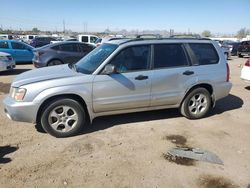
(6, 62)
(245, 72)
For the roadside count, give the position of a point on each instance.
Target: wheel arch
(53, 60)
(70, 96)
(207, 86)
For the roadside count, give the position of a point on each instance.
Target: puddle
(4, 87)
(179, 160)
(216, 182)
(177, 139)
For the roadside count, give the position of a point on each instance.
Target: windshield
(94, 59)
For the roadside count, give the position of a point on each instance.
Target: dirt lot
(128, 150)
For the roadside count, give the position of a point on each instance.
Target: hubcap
(197, 104)
(63, 118)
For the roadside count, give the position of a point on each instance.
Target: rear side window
(169, 55)
(68, 47)
(245, 43)
(204, 54)
(84, 39)
(4, 45)
(55, 47)
(85, 48)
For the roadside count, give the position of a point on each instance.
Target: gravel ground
(130, 150)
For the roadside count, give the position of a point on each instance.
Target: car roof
(63, 42)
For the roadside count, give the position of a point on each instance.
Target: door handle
(141, 77)
(188, 72)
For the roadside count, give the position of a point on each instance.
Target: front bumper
(20, 111)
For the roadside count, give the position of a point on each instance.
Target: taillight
(247, 63)
(228, 72)
(38, 54)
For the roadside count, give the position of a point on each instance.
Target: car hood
(42, 74)
(4, 54)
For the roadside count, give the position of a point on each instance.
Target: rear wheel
(63, 117)
(196, 104)
(55, 62)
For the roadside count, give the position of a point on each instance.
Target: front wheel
(196, 104)
(63, 117)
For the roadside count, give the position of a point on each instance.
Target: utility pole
(63, 26)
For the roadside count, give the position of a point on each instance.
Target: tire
(63, 117)
(196, 104)
(239, 55)
(55, 62)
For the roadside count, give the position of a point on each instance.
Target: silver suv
(122, 76)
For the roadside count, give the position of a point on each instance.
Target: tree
(206, 33)
(35, 30)
(243, 32)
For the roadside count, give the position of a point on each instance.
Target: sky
(217, 16)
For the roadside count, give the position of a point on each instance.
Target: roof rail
(149, 36)
(190, 36)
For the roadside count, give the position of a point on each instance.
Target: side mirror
(109, 69)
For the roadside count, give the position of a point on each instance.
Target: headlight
(3, 58)
(17, 93)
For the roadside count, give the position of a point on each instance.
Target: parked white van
(6, 37)
(91, 39)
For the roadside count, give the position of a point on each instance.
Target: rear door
(84, 49)
(69, 53)
(129, 88)
(172, 74)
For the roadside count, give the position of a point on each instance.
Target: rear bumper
(38, 63)
(20, 111)
(222, 90)
(7, 66)
(244, 53)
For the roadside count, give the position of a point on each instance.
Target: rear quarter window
(204, 54)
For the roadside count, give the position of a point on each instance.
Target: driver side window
(132, 59)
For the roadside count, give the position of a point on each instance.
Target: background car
(100, 41)
(60, 53)
(91, 39)
(233, 46)
(41, 41)
(245, 72)
(6, 62)
(225, 48)
(21, 52)
(244, 48)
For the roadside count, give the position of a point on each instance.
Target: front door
(130, 86)
(21, 52)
